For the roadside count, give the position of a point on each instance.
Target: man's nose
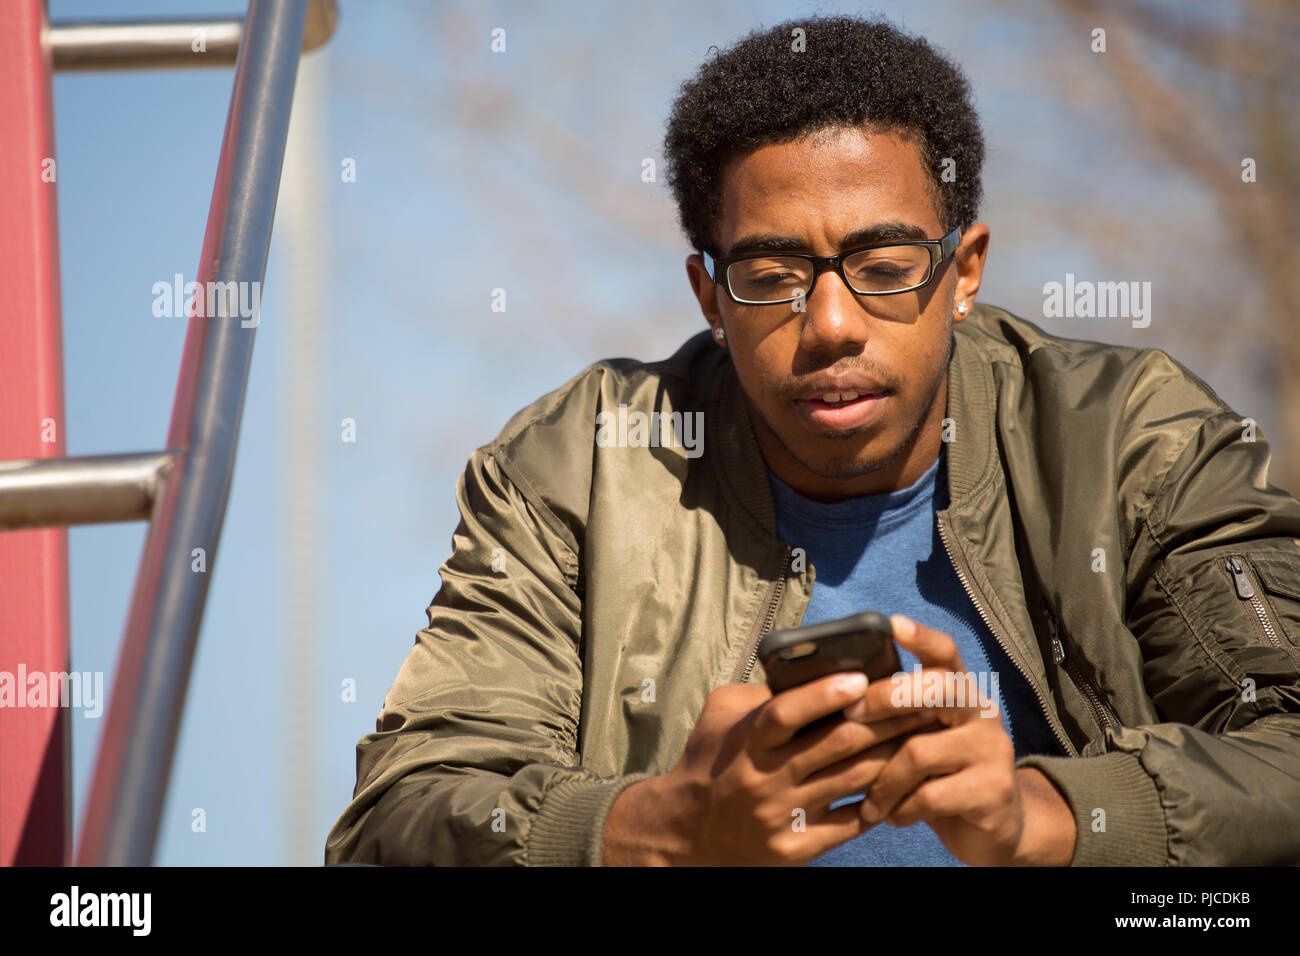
(835, 320)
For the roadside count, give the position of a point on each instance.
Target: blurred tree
(1208, 89)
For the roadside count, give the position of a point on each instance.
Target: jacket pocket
(1102, 712)
(1256, 577)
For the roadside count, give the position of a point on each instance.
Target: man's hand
(961, 779)
(746, 791)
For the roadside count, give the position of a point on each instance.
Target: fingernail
(903, 626)
(870, 812)
(854, 683)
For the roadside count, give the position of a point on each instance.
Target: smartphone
(860, 642)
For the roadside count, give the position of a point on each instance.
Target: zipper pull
(1244, 589)
(1058, 649)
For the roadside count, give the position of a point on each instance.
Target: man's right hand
(747, 791)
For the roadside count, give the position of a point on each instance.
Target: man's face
(828, 192)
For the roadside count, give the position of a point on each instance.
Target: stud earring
(961, 307)
(720, 334)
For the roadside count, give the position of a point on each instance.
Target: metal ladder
(182, 490)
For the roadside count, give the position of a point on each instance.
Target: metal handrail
(139, 738)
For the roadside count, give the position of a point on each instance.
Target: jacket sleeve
(474, 758)
(1214, 602)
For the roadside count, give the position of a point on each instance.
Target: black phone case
(860, 642)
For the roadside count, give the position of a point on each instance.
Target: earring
(720, 335)
(961, 307)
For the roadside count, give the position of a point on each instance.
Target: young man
(1088, 530)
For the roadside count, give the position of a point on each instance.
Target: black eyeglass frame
(940, 250)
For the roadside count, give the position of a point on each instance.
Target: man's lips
(841, 410)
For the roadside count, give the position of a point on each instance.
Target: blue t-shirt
(883, 553)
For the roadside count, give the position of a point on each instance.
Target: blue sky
(475, 171)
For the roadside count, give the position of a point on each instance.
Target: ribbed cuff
(569, 827)
(1134, 821)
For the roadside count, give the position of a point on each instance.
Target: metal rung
(90, 489)
(163, 44)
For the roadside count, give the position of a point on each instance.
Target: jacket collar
(972, 457)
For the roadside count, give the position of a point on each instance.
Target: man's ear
(969, 257)
(704, 289)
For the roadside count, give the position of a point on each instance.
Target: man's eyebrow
(895, 231)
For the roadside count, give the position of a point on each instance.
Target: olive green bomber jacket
(1110, 517)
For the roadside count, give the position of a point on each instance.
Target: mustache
(793, 387)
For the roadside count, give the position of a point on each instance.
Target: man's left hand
(961, 778)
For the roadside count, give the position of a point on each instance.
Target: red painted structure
(35, 784)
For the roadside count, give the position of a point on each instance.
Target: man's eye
(882, 271)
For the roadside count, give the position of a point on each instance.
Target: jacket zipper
(774, 592)
(1246, 591)
(958, 559)
(1101, 712)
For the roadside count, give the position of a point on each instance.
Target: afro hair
(850, 73)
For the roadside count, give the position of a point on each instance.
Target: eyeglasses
(883, 268)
